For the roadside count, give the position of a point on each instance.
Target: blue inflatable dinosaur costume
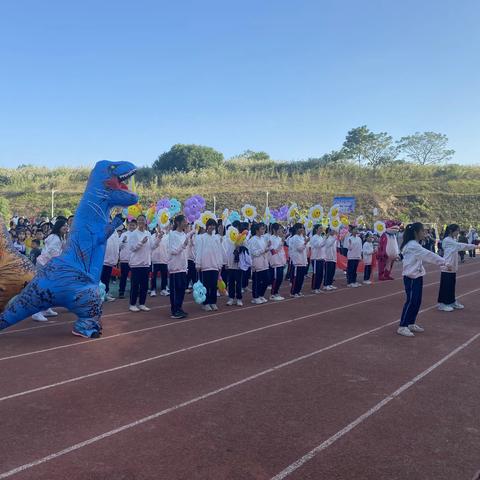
(71, 280)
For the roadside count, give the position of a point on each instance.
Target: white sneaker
(239, 303)
(256, 301)
(457, 306)
(39, 317)
(50, 313)
(276, 298)
(164, 293)
(230, 302)
(109, 298)
(416, 328)
(333, 287)
(317, 291)
(445, 308)
(328, 288)
(405, 332)
(350, 285)
(356, 284)
(133, 308)
(214, 307)
(263, 299)
(207, 308)
(367, 282)
(143, 308)
(153, 293)
(269, 287)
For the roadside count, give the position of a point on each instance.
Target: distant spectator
(35, 251)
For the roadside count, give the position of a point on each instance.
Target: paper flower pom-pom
(379, 227)
(325, 222)
(205, 216)
(334, 211)
(163, 203)
(234, 216)
(163, 218)
(335, 224)
(199, 292)
(344, 220)
(249, 212)
(293, 213)
(232, 235)
(175, 207)
(316, 213)
(135, 210)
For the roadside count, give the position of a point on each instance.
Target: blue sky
(87, 80)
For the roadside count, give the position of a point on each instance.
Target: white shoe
(350, 285)
(230, 302)
(188, 290)
(416, 328)
(256, 301)
(356, 284)
(164, 293)
(445, 308)
(207, 308)
(333, 287)
(133, 308)
(50, 313)
(214, 307)
(39, 317)
(219, 294)
(263, 299)
(143, 308)
(269, 287)
(317, 291)
(109, 298)
(328, 288)
(457, 306)
(276, 298)
(367, 282)
(153, 293)
(405, 332)
(239, 303)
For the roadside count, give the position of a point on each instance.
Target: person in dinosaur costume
(16, 270)
(388, 250)
(71, 280)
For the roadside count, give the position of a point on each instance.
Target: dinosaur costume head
(107, 180)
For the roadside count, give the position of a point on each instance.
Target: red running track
(316, 388)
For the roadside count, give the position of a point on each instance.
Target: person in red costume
(388, 250)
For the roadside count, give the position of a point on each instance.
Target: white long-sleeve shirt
(208, 252)
(354, 245)
(413, 257)
(317, 247)
(257, 246)
(331, 249)
(125, 246)
(229, 249)
(451, 248)
(159, 252)
(53, 248)
(297, 249)
(140, 253)
(367, 252)
(112, 250)
(279, 258)
(177, 252)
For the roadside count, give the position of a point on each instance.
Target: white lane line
(77, 343)
(275, 368)
(330, 441)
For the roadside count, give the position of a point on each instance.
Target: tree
(185, 158)
(251, 155)
(427, 148)
(368, 148)
(4, 209)
(145, 176)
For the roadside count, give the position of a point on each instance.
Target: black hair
(58, 226)
(133, 220)
(143, 216)
(177, 221)
(453, 227)
(410, 232)
(256, 227)
(236, 224)
(296, 228)
(275, 227)
(315, 228)
(36, 242)
(211, 222)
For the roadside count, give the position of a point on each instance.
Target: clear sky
(124, 80)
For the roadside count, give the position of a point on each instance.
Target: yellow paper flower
(334, 211)
(163, 217)
(325, 222)
(232, 235)
(379, 227)
(316, 213)
(335, 223)
(344, 220)
(309, 225)
(249, 212)
(293, 213)
(205, 216)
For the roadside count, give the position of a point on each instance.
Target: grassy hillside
(402, 190)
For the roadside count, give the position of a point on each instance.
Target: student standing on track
(413, 272)
(125, 257)
(330, 259)
(112, 251)
(277, 260)
(259, 248)
(354, 254)
(367, 252)
(317, 247)
(160, 263)
(178, 265)
(298, 255)
(451, 247)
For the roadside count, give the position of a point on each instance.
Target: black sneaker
(121, 295)
(185, 314)
(177, 315)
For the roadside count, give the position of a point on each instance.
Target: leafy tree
(368, 148)
(5, 209)
(251, 155)
(185, 158)
(145, 176)
(427, 148)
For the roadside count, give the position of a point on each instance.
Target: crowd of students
(170, 261)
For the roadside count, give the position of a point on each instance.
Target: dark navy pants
(413, 289)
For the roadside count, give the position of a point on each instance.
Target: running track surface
(313, 388)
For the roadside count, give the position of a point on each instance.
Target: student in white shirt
(209, 262)
(192, 275)
(317, 256)
(160, 263)
(259, 248)
(413, 272)
(330, 259)
(111, 260)
(234, 272)
(140, 261)
(125, 257)
(367, 252)
(354, 254)
(297, 249)
(472, 237)
(446, 294)
(277, 260)
(177, 265)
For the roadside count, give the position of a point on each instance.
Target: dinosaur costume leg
(388, 269)
(87, 305)
(381, 269)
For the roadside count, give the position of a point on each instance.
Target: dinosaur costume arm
(113, 225)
